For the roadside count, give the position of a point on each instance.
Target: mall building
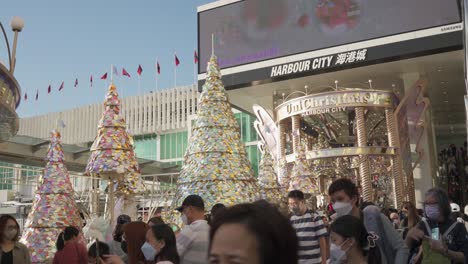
(372, 90)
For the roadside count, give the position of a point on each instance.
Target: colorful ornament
(54, 206)
(216, 166)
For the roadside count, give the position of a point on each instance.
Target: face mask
(432, 212)
(296, 210)
(149, 251)
(336, 253)
(184, 219)
(10, 234)
(342, 208)
(123, 246)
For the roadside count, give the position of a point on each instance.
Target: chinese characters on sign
(319, 63)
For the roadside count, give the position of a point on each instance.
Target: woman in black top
(13, 252)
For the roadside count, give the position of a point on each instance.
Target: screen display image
(256, 30)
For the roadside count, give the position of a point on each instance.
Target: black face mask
(123, 246)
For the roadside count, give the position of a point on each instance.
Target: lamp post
(10, 91)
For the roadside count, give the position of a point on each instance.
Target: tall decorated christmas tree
(215, 164)
(54, 206)
(113, 157)
(302, 175)
(268, 181)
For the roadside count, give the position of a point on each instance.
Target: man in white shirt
(193, 240)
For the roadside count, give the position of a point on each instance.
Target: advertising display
(257, 30)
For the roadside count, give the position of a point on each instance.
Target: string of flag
(115, 72)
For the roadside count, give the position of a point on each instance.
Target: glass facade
(172, 146)
(6, 176)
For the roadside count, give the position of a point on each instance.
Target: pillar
(397, 169)
(425, 171)
(364, 169)
(296, 128)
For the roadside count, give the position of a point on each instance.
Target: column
(364, 169)
(282, 140)
(296, 128)
(397, 169)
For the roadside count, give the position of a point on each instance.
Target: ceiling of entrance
(444, 72)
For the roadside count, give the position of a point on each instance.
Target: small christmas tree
(216, 165)
(268, 181)
(54, 207)
(302, 175)
(112, 154)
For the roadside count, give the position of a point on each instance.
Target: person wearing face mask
(345, 197)
(13, 252)
(444, 240)
(350, 242)
(160, 245)
(193, 240)
(310, 230)
(117, 244)
(69, 248)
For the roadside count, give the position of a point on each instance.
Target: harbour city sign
(333, 102)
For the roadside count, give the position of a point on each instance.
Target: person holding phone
(444, 240)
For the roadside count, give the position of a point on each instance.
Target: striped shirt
(309, 228)
(192, 243)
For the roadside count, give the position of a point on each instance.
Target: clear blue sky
(67, 39)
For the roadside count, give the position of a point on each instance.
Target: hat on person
(455, 208)
(123, 219)
(192, 200)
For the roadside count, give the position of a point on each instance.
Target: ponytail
(69, 233)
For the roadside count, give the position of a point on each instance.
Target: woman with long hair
(13, 252)
(69, 248)
(350, 242)
(134, 237)
(160, 245)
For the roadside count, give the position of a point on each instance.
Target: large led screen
(256, 30)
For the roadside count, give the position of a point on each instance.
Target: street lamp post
(10, 92)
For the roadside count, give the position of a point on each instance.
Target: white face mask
(184, 219)
(337, 255)
(342, 208)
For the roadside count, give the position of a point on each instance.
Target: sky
(63, 40)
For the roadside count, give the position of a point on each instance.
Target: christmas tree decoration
(268, 181)
(54, 206)
(112, 153)
(283, 174)
(302, 175)
(216, 166)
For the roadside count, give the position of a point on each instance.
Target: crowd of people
(349, 231)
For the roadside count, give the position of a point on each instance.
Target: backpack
(431, 256)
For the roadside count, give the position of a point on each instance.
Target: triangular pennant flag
(25, 96)
(61, 86)
(104, 77)
(125, 73)
(76, 82)
(49, 89)
(91, 80)
(158, 68)
(140, 70)
(177, 61)
(195, 57)
(37, 94)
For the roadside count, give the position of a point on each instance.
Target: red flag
(158, 68)
(25, 96)
(76, 82)
(177, 62)
(49, 89)
(125, 73)
(195, 57)
(140, 70)
(61, 87)
(104, 77)
(91, 80)
(37, 94)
